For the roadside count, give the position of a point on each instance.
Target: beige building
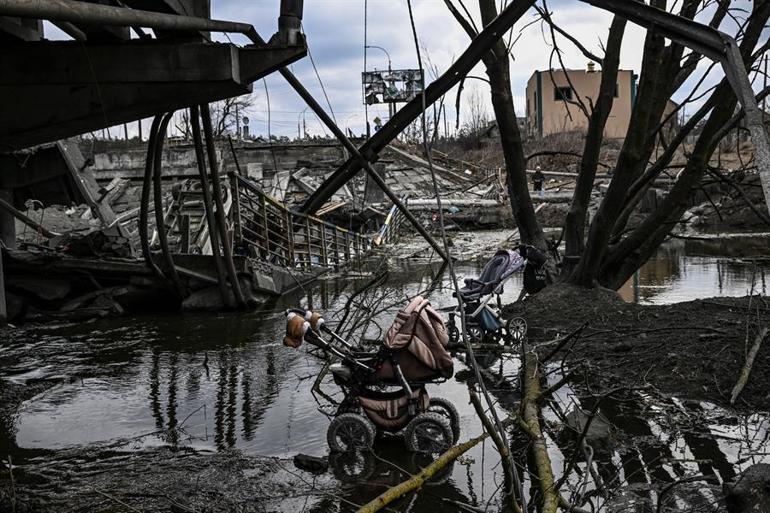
(552, 98)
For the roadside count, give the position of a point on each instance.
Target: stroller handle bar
(304, 325)
(318, 324)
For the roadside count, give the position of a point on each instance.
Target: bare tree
(476, 120)
(497, 65)
(223, 113)
(612, 250)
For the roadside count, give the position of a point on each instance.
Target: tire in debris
(350, 432)
(428, 433)
(445, 408)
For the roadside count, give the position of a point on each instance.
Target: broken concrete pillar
(7, 221)
(372, 192)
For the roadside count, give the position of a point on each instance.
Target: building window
(562, 93)
(616, 90)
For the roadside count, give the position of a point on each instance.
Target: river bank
(693, 349)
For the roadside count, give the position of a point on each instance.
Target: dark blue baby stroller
(482, 321)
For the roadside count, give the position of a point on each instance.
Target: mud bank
(160, 480)
(694, 349)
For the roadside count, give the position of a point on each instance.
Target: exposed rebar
(160, 227)
(144, 204)
(207, 206)
(220, 213)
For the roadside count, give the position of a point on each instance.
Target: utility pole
(764, 100)
(446, 133)
(366, 105)
(139, 124)
(237, 121)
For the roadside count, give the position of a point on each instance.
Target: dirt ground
(694, 350)
(96, 480)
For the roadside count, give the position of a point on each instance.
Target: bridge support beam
(68, 94)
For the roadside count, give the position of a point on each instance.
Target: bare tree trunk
(628, 255)
(661, 71)
(576, 216)
(633, 152)
(498, 71)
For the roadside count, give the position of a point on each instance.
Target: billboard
(391, 86)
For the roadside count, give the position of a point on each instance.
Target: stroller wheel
(350, 432)
(454, 334)
(446, 409)
(475, 334)
(428, 433)
(517, 329)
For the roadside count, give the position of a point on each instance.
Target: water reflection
(215, 382)
(684, 270)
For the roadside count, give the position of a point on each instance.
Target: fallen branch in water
(746, 370)
(13, 484)
(417, 480)
(690, 479)
(502, 449)
(463, 505)
(530, 417)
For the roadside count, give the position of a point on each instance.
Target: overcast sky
(335, 37)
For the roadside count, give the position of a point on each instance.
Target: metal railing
(266, 230)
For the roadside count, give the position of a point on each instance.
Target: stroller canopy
(504, 263)
(420, 337)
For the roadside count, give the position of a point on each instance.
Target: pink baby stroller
(384, 390)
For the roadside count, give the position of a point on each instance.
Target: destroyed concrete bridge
(56, 89)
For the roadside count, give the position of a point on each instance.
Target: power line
(270, 139)
(461, 306)
(310, 54)
(366, 105)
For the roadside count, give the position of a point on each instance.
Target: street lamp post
(302, 116)
(391, 105)
(386, 53)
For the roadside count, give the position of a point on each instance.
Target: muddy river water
(213, 382)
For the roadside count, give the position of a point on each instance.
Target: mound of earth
(694, 349)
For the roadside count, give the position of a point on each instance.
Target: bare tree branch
(585, 51)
